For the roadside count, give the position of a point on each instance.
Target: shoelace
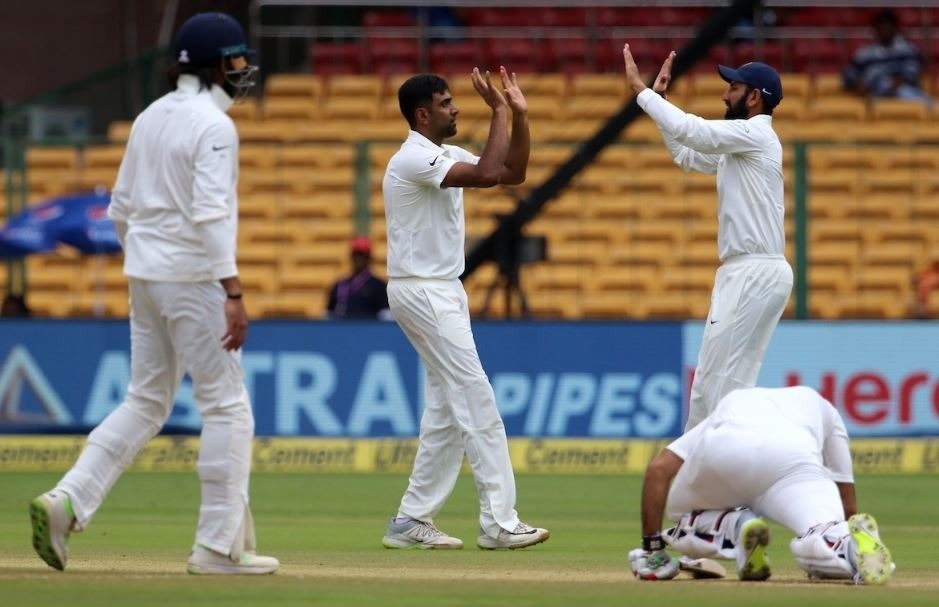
(523, 528)
(427, 531)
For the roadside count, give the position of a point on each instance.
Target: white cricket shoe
(521, 537)
(53, 521)
(203, 561)
(752, 561)
(418, 534)
(872, 559)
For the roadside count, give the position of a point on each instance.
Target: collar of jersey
(420, 140)
(189, 84)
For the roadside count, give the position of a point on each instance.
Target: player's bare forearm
(516, 160)
(497, 146)
(662, 469)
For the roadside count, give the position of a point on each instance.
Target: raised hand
(490, 94)
(633, 79)
(665, 75)
(513, 94)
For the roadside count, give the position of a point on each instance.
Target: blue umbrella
(79, 220)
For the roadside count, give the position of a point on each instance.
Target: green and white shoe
(52, 519)
(872, 559)
(752, 561)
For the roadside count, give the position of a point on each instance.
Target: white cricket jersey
(809, 423)
(747, 157)
(425, 223)
(180, 171)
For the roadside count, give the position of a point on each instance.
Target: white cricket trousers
(176, 328)
(772, 472)
(460, 414)
(749, 296)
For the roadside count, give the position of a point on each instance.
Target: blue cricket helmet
(206, 38)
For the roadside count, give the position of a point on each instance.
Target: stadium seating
(631, 237)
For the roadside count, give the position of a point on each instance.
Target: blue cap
(206, 38)
(758, 75)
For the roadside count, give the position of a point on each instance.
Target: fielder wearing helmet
(212, 47)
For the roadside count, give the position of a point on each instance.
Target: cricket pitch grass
(326, 530)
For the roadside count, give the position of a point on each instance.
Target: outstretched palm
(513, 94)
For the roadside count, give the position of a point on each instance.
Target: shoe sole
(42, 534)
(395, 544)
(873, 558)
(200, 570)
(703, 569)
(536, 539)
(755, 540)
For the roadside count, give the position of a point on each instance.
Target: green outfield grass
(327, 530)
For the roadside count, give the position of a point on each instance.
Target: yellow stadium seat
(827, 85)
(365, 86)
(588, 107)
(109, 156)
(689, 280)
(842, 109)
(290, 109)
(830, 279)
(707, 107)
(119, 131)
(795, 87)
(357, 108)
(51, 158)
(898, 110)
(303, 86)
(707, 85)
(245, 111)
(624, 278)
(598, 85)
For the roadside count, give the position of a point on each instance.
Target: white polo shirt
(809, 423)
(747, 157)
(425, 223)
(176, 187)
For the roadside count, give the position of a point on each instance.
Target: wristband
(651, 543)
(233, 296)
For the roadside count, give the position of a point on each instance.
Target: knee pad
(707, 534)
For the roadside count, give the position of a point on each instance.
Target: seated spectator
(927, 281)
(888, 67)
(361, 295)
(14, 306)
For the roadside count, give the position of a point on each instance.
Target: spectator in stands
(361, 295)
(14, 306)
(927, 281)
(888, 67)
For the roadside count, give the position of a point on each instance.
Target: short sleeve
(425, 166)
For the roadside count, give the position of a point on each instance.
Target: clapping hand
(513, 94)
(490, 94)
(665, 76)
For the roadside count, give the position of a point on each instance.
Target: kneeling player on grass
(776, 453)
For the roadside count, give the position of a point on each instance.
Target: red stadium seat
(392, 55)
(337, 58)
(387, 18)
(457, 57)
(520, 55)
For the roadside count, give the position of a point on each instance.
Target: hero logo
(867, 398)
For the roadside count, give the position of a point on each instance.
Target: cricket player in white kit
(175, 209)
(779, 453)
(753, 283)
(423, 190)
